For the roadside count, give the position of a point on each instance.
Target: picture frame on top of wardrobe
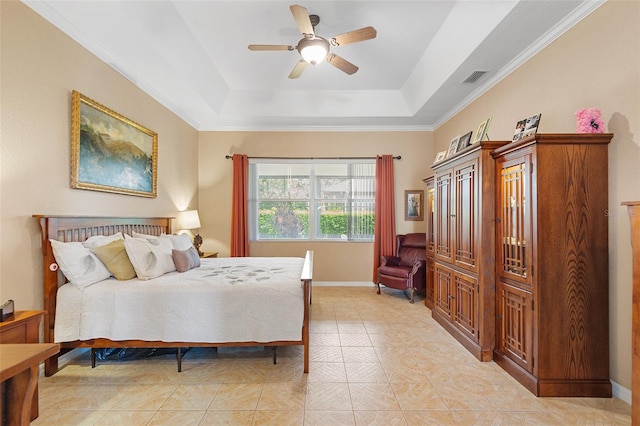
(440, 156)
(453, 146)
(465, 141)
(482, 131)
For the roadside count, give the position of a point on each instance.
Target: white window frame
(253, 200)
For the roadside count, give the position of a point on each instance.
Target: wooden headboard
(78, 229)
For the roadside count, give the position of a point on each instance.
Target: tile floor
(374, 360)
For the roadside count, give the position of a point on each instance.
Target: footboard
(307, 279)
(72, 229)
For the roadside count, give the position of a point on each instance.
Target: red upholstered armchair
(407, 269)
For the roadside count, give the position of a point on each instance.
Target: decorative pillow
(180, 242)
(150, 258)
(185, 259)
(81, 267)
(101, 240)
(114, 256)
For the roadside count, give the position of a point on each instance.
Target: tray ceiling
(192, 56)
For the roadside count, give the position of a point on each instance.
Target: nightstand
(23, 328)
(209, 254)
(19, 375)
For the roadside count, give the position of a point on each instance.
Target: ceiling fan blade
(297, 70)
(341, 64)
(301, 15)
(366, 33)
(270, 47)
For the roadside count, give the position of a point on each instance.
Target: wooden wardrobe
(464, 247)
(552, 272)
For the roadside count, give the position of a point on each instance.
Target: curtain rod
(398, 157)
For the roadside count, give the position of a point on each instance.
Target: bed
(248, 301)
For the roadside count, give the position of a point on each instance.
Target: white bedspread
(224, 300)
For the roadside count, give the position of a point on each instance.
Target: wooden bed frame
(76, 228)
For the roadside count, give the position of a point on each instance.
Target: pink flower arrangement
(588, 120)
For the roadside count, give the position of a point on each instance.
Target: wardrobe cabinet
(429, 206)
(464, 253)
(552, 292)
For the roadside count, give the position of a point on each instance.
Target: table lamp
(190, 220)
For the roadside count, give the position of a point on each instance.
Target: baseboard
(620, 392)
(343, 284)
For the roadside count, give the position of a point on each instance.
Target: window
(311, 200)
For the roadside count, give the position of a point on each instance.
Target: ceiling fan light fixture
(313, 50)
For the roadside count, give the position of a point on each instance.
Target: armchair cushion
(395, 271)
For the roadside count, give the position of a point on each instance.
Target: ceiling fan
(315, 49)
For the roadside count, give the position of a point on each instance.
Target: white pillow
(135, 234)
(81, 267)
(150, 258)
(180, 242)
(101, 240)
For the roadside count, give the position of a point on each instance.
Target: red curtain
(385, 222)
(240, 207)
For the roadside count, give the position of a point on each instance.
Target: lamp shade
(313, 50)
(190, 219)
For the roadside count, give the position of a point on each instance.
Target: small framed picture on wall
(414, 204)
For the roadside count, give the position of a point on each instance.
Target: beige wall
(341, 261)
(40, 67)
(595, 64)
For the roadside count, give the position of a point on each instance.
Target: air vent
(474, 76)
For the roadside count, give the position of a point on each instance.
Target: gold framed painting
(414, 204)
(110, 152)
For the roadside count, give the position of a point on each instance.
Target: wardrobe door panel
(444, 210)
(466, 214)
(515, 325)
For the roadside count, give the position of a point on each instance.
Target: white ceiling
(192, 56)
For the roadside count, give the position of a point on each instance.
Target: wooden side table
(209, 254)
(19, 365)
(24, 327)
